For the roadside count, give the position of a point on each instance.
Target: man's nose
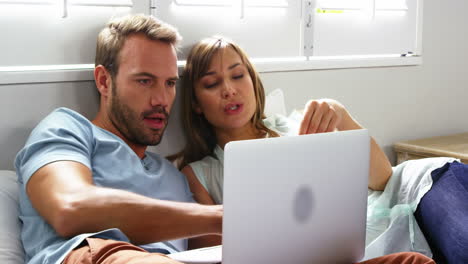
(161, 96)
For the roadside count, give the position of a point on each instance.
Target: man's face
(143, 90)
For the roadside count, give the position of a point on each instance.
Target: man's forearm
(64, 194)
(142, 219)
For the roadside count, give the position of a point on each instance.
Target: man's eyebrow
(147, 74)
(229, 68)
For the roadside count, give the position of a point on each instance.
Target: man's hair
(112, 38)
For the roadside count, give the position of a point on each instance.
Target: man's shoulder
(62, 135)
(65, 115)
(63, 119)
(61, 126)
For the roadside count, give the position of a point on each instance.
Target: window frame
(84, 72)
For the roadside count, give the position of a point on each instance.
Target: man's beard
(130, 124)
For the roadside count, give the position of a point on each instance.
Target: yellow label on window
(329, 11)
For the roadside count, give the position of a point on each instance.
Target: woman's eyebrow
(234, 65)
(229, 68)
(208, 73)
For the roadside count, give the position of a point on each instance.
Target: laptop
(296, 199)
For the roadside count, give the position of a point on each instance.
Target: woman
(223, 100)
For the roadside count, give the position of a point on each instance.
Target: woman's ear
(197, 109)
(103, 80)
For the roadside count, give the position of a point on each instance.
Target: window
(304, 30)
(279, 35)
(250, 3)
(65, 4)
(126, 3)
(265, 29)
(361, 27)
(55, 32)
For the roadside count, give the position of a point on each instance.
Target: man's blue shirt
(66, 135)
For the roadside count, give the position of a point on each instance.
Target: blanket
(391, 226)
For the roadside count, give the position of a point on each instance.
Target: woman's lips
(233, 108)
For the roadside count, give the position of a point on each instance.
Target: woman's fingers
(308, 113)
(326, 119)
(333, 123)
(319, 117)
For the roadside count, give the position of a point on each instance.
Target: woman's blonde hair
(199, 134)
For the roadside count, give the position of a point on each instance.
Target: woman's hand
(324, 115)
(327, 115)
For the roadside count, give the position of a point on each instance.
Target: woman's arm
(202, 196)
(380, 169)
(328, 115)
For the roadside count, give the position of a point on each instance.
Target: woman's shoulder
(207, 162)
(215, 159)
(208, 171)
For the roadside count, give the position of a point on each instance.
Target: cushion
(11, 249)
(274, 103)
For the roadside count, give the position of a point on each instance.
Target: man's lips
(156, 115)
(155, 121)
(156, 118)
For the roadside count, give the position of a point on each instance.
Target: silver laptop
(298, 199)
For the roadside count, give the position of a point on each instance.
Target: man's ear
(103, 80)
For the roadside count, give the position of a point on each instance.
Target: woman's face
(225, 93)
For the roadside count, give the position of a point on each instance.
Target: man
(90, 188)
(90, 193)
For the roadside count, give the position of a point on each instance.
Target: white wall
(23, 106)
(400, 103)
(395, 104)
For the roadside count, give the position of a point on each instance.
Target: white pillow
(11, 248)
(274, 103)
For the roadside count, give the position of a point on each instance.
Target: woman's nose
(228, 90)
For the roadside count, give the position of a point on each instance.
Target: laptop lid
(297, 199)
